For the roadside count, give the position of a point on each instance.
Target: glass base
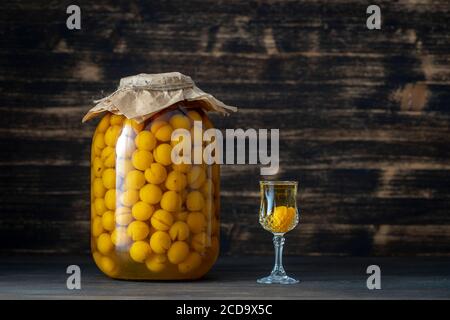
(277, 280)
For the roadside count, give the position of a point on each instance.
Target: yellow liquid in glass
(278, 211)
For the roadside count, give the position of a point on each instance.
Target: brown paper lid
(139, 97)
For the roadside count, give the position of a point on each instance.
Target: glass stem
(278, 243)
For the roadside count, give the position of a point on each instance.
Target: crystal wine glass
(278, 214)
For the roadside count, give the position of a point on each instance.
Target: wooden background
(363, 114)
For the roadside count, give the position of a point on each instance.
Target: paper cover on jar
(141, 96)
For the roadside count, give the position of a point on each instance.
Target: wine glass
(278, 214)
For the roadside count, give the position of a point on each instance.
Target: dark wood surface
(364, 115)
(234, 278)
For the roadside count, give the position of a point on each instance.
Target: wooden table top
(44, 277)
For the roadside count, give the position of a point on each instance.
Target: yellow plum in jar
(145, 140)
(179, 231)
(156, 262)
(138, 230)
(171, 201)
(142, 211)
(150, 194)
(160, 242)
(156, 173)
(178, 252)
(192, 262)
(162, 220)
(140, 250)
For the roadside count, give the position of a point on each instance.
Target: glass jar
(150, 218)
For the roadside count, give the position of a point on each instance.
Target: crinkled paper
(139, 97)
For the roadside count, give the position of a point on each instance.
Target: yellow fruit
(164, 133)
(163, 154)
(124, 219)
(99, 141)
(171, 201)
(182, 167)
(181, 216)
(176, 181)
(139, 251)
(179, 121)
(104, 243)
(134, 180)
(97, 167)
(145, 140)
(109, 178)
(108, 156)
(179, 231)
(125, 146)
(116, 119)
(196, 177)
(129, 197)
(178, 252)
(123, 167)
(156, 262)
(191, 263)
(111, 135)
(195, 201)
(160, 242)
(199, 242)
(138, 230)
(98, 189)
(194, 115)
(110, 199)
(156, 174)
(142, 211)
(150, 194)
(196, 222)
(95, 152)
(97, 257)
(103, 125)
(108, 266)
(282, 219)
(156, 125)
(207, 188)
(162, 220)
(106, 153)
(97, 226)
(109, 221)
(291, 211)
(99, 205)
(120, 238)
(142, 159)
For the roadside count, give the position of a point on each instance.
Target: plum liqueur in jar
(151, 218)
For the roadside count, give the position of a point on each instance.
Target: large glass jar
(150, 218)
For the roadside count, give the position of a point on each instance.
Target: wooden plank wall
(364, 114)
